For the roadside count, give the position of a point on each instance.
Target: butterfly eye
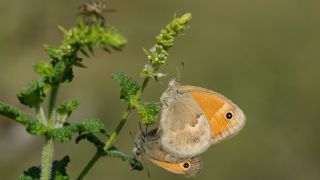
(229, 115)
(186, 165)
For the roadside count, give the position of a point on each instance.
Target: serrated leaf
(148, 113)
(84, 52)
(53, 53)
(59, 70)
(88, 126)
(68, 74)
(112, 151)
(134, 163)
(90, 49)
(68, 106)
(52, 73)
(32, 126)
(92, 125)
(34, 93)
(44, 69)
(14, 113)
(36, 128)
(128, 87)
(79, 64)
(32, 173)
(63, 30)
(59, 169)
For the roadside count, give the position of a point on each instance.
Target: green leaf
(34, 93)
(134, 163)
(36, 128)
(84, 52)
(148, 113)
(59, 169)
(32, 126)
(58, 73)
(68, 106)
(128, 87)
(32, 173)
(44, 69)
(87, 36)
(14, 113)
(88, 126)
(91, 138)
(68, 74)
(79, 64)
(53, 53)
(111, 152)
(52, 74)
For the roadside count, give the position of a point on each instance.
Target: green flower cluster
(159, 53)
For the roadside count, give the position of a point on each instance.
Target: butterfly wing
(187, 167)
(225, 118)
(185, 130)
(152, 150)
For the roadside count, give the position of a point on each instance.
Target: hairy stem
(115, 134)
(41, 117)
(52, 104)
(46, 161)
(93, 160)
(47, 153)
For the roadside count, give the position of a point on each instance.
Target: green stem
(93, 160)
(41, 117)
(115, 134)
(52, 104)
(145, 83)
(47, 152)
(46, 161)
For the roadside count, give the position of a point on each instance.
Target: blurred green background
(262, 54)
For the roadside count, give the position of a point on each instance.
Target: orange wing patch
(172, 167)
(210, 104)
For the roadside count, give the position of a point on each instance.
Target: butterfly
(192, 119)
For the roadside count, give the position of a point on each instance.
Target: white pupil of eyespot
(186, 165)
(229, 115)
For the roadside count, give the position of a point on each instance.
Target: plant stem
(144, 83)
(41, 117)
(47, 153)
(46, 161)
(93, 160)
(52, 104)
(115, 134)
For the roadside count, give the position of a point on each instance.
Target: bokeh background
(263, 54)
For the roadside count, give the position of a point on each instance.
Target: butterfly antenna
(133, 139)
(131, 135)
(178, 71)
(141, 130)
